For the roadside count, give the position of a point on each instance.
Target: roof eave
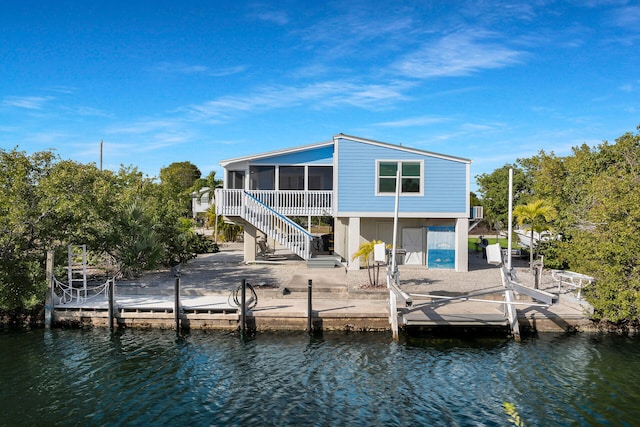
(274, 153)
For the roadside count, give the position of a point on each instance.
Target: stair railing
(277, 226)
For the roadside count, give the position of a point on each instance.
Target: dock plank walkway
(153, 302)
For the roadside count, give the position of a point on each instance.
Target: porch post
(462, 250)
(354, 243)
(250, 234)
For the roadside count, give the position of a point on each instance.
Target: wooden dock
(291, 313)
(204, 301)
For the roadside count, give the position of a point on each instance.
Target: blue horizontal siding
(317, 156)
(445, 181)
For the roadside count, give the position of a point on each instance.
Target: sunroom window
(291, 178)
(262, 177)
(410, 177)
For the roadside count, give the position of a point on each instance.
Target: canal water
(136, 377)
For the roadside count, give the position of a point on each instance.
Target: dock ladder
(77, 268)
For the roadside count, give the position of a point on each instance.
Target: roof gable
(400, 148)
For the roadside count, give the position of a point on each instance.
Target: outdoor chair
(266, 252)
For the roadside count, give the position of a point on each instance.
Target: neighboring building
(352, 180)
(201, 201)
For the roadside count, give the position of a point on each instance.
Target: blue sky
(202, 81)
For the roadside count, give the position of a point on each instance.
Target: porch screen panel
(262, 177)
(291, 178)
(441, 247)
(236, 180)
(320, 178)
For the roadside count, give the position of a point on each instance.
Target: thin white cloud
(316, 95)
(88, 111)
(222, 72)
(630, 86)
(413, 121)
(180, 68)
(188, 69)
(28, 102)
(457, 54)
(142, 127)
(627, 17)
(273, 16)
(266, 13)
(62, 89)
(359, 29)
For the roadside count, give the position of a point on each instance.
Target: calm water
(87, 377)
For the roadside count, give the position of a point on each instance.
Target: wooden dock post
(309, 307)
(48, 299)
(176, 309)
(112, 292)
(243, 308)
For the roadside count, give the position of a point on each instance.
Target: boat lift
(495, 256)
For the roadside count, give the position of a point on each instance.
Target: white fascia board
(249, 158)
(401, 148)
(403, 214)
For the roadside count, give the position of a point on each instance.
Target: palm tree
(365, 252)
(535, 213)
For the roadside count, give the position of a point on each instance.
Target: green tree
(178, 181)
(606, 242)
(135, 244)
(210, 182)
(21, 227)
(494, 192)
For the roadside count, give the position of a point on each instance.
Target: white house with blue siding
(353, 181)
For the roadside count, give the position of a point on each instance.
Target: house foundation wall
(350, 233)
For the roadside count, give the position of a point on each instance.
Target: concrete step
(324, 261)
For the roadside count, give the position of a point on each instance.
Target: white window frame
(399, 162)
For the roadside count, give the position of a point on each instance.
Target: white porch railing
(285, 202)
(277, 226)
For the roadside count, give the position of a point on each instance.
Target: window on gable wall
(411, 174)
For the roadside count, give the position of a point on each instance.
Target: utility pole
(100, 155)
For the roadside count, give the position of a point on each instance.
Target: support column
(462, 246)
(354, 242)
(250, 234)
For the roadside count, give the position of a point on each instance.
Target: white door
(413, 244)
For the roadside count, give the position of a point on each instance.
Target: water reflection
(89, 377)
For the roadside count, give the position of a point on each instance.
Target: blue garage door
(441, 247)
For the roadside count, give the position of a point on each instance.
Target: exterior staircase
(277, 226)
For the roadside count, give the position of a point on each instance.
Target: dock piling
(243, 308)
(176, 309)
(112, 286)
(309, 307)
